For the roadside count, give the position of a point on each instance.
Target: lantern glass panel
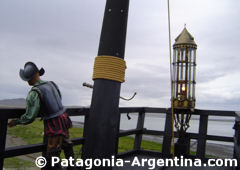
(175, 65)
(189, 72)
(179, 88)
(183, 55)
(174, 90)
(189, 91)
(193, 92)
(183, 89)
(189, 55)
(184, 71)
(174, 56)
(180, 71)
(194, 55)
(192, 74)
(175, 72)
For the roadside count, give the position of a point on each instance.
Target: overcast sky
(62, 36)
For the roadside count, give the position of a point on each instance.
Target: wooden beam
(3, 134)
(129, 132)
(166, 148)
(140, 125)
(201, 144)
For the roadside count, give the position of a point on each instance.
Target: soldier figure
(44, 99)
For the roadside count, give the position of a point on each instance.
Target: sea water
(219, 126)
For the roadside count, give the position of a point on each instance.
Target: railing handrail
(14, 112)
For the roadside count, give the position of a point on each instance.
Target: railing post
(166, 147)
(201, 145)
(140, 125)
(237, 130)
(236, 151)
(3, 134)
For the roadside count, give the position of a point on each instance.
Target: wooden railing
(9, 113)
(201, 137)
(236, 151)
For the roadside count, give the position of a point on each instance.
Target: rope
(171, 75)
(109, 67)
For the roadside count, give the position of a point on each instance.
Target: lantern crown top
(185, 38)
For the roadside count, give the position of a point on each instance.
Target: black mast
(102, 128)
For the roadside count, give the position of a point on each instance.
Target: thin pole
(171, 75)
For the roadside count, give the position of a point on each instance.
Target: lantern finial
(185, 38)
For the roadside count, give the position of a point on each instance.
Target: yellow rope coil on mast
(110, 68)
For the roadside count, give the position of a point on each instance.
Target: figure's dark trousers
(54, 146)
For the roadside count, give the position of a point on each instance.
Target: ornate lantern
(184, 76)
(184, 71)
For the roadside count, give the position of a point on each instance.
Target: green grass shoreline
(33, 133)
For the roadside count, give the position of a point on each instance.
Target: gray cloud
(62, 36)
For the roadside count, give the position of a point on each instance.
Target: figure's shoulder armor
(38, 91)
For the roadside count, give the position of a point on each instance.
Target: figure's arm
(32, 109)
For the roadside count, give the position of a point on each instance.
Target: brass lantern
(184, 71)
(183, 83)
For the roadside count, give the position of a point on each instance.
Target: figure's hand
(12, 123)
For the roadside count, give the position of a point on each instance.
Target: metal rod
(123, 98)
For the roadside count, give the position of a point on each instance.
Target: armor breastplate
(51, 105)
